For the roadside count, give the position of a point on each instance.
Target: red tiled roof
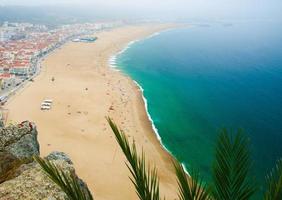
(6, 75)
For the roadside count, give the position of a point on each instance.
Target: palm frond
(144, 178)
(192, 188)
(274, 183)
(67, 181)
(231, 168)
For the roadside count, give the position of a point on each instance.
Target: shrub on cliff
(66, 180)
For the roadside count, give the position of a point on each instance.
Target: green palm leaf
(192, 189)
(144, 178)
(274, 183)
(231, 168)
(68, 182)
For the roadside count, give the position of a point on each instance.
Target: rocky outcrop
(30, 184)
(55, 155)
(20, 140)
(8, 164)
(21, 178)
(18, 143)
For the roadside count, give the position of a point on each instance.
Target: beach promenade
(85, 90)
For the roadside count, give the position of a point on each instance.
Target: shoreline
(156, 131)
(113, 65)
(112, 59)
(80, 121)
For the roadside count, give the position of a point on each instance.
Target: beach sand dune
(84, 91)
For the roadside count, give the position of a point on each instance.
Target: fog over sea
(200, 79)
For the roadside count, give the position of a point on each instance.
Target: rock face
(30, 184)
(55, 155)
(20, 177)
(20, 140)
(8, 164)
(18, 143)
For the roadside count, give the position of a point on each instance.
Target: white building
(3, 37)
(7, 80)
(21, 68)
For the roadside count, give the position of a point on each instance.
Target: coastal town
(24, 45)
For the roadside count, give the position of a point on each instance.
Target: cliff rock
(20, 140)
(21, 178)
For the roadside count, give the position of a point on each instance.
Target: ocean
(200, 79)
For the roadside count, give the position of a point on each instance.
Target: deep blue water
(198, 80)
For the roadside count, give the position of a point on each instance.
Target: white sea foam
(153, 35)
(113, 64)
(155, 128)
(112, 61)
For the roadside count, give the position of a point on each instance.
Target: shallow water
(198, 80)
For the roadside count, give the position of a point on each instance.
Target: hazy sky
(179, 8)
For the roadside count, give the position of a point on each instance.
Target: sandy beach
(85, 90)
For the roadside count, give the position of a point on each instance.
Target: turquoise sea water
(199, 79)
